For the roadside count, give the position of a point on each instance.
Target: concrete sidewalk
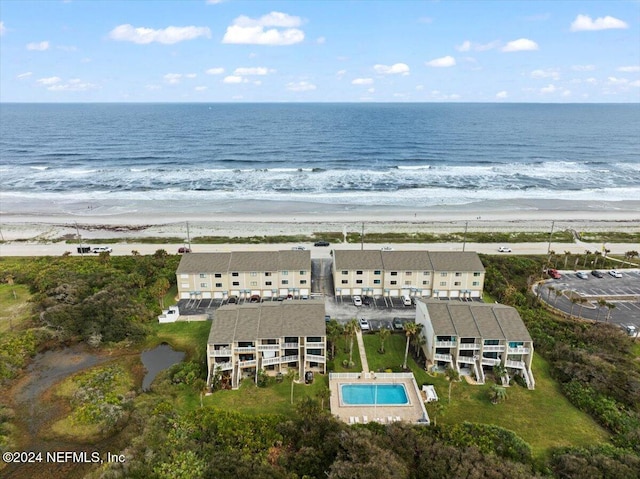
(363, 354)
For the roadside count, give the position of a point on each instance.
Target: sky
(320, 51)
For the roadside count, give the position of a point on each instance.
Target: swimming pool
(373, 394)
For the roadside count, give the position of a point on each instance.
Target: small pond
(158, 359)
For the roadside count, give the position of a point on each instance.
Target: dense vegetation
(108, 300)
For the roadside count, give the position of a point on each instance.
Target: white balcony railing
(289, 359)
(490, 361)
(246, 364)
(493, 348)
(290, 345)
(445, 344)
(223, 366)
(515, 364)
(442, 357)
(315, 358)
(268, 347)
(467, 346)
(221, 352)
(466, 360)
(245, 349)
(519, 350)
(270, 361)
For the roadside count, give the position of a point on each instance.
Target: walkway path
(363, 354)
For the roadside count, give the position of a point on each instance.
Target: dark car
(184, 250)
(597, 274)
(398, 324)
(366, 300)
(232, 299)
(254, 299)
(321, 243)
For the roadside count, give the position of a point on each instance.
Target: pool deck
(413, 412)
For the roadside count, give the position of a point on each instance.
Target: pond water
(158, 359)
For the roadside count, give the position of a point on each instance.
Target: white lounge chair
(351, 420)
(365, 419)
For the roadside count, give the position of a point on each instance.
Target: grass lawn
(543, 417)
(190, 337)
(16, 309)
(342, 354)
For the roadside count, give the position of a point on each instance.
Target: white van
(406, 300)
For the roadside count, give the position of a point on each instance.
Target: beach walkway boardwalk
(363, 353)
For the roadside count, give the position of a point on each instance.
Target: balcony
(289, 359)
(223, 366)
(315, 358)
(245, 349)
(493, 348)
(468, 346)
(445, 344)
(442, 357)
(515, 364)
(221, 352)
(271, 361)
(466, 360)
(246, 364)
(518, 350)
(490, 361)
(268, 347)
(313, 346)
(290, 345)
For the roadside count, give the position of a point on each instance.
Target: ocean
(78, 156)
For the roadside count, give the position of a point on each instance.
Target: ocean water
(408, 155)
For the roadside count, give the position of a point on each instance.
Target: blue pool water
(371, 394)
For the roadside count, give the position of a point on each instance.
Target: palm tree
(574, 300)
(497, 394)
(500, 372)
(566, 258)
(549, 289)
(586, 256)
(409, 330)
(581, 301)
(334, 331)
(437, 410)
(601, 303)
(383, 335)
(558, 293)
(350, 330)
(452, 375)
(323, 394)
(293, 375)
(610, 306)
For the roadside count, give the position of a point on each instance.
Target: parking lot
(622, 292)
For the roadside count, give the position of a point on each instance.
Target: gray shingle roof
(407, 260)
(455, 261)
(479, 320)
(243, 261)
(255, 321)
(356, 259)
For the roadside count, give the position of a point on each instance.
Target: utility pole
(464, 242)
(550, 234)
(362, 238)
(80, 249)
(188, 237)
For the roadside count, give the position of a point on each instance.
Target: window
(345, 272)
(184, 276)
(427, 273)
(377, 272)
(267, 283)
(376, 281)
(302, 273)
(407, 283)
(236, 283)
(203, 285)
(443, 283)
(425, 283)
(457, 283)
(476, 274)
(443, 274)
(358, 281)
(394, 282)
(253, 273)
(458, 274)
(285, 281)
(267, 273)
(184, 285)
(218, 285)
(303, 281)
(203, 275)
(234, 274)
(345, 281)
(253, 283)
(218, 275)
(394, 273)
(408, 273)
(285, 273)
(476, 283)
(359, 272)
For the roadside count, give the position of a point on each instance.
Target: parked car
(254, 298)
(357, 301)
(321, 243)
(504, 249)
(298, 248)
(101, 249)
(631, 330)
(406, 300)
(597, 274)
(327, 318)
(366, 300)
(84, 249)
(232, 299)
(184, 249)
(582, 275)
(386, 248)
(615, 273)
(398, 324)
(364, 324)
(554, 273)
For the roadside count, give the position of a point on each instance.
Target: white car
(101, 249)
(386, 248)
(357, 301)
(364, 324)
(615, 273)
(406, 300)
(298, 248)
(504, 249)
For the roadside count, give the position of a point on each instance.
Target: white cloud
(616, 81)
(153, 87)
(215, 71)
(167, 36)
(3, 29)
(635, 83)
(341, 73)
(443, 62)
(464, 47)
(38, 46)
(566, 93)
(548, 89)
(371, 90)
(583, 68)
(257, 82)
(300, 86)
(233, 79)
(214, 2)
(396, 68)
(190, 75)
(173, 78)
(245, 30)
(454, 96)
(502, 95)
(24, 75)
(241, 71)
(362, 81)
(49, 80)
(200, 88)
(585, 23)
(548, 73)
(478, 47)
(75, 84)
(520, 45)
(591, 81)
(321, 40)
(419, 87)
(629, 69)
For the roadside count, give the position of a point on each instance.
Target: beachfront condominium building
(474, 337)
(276, 336)
(410, 273)
(244, 274)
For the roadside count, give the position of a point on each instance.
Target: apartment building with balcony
(275, 336)
(410, 273)
(244, 274)
(475, 337)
